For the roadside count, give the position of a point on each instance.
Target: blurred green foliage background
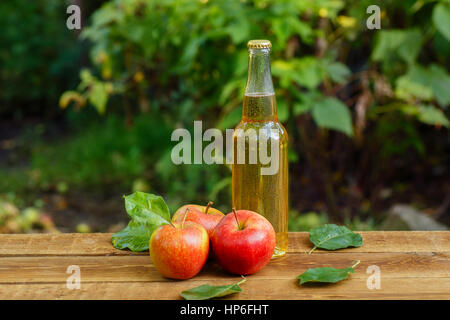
(87, 116)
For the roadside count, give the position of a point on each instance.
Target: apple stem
(184, 218)
(208, 206)
(237, 221)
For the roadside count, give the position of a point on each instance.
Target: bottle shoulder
(274, 128)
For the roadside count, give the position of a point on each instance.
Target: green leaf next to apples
(327, 274)
(147, 212)
(333, 237)
(135, 237)
(207, 291)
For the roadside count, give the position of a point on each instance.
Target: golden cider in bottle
(260, 183)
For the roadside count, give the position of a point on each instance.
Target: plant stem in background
(320, 167)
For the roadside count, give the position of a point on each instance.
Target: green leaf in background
(441, 18)
(333, 237)
(190, 51)
(282, 110)
(303, 29)
(306, 71)
(281, 28)
(427, 114)
(147, 212)
(207, 291)
(231, 119)
(230, 90)
(70, 96)
(284, 28)
(108, 14)
(430, 115)
(391, 44)
(331, 113)
(408, 90)
(98, 96)
(283, 70)
(219, 186)
(338, 72)
(424, 83)
(327, 274)
(300, 108)
(439, 80)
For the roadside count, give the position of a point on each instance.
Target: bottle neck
(259, 97)
(259, 80)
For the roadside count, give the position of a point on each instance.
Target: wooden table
(413, 265)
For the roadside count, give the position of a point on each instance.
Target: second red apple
(243, 242)
(206, 216)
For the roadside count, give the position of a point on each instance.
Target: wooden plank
(65, 244)
(414, 265)
(384, 241)
(97, 244)
(140, 269)
(278, 289)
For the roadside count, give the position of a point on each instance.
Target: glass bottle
(259, 185)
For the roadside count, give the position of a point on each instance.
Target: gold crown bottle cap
(259, 44)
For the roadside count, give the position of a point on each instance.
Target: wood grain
(285, 289)
(94, 244)
(413, 265)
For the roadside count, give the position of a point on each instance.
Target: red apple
(206, 216)
(243, 242)
(179, 250)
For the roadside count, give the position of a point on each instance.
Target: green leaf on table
(333, 237)
(327, 274)
(135, 236)
(331, 113)
(147, 212)
(207, 291)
